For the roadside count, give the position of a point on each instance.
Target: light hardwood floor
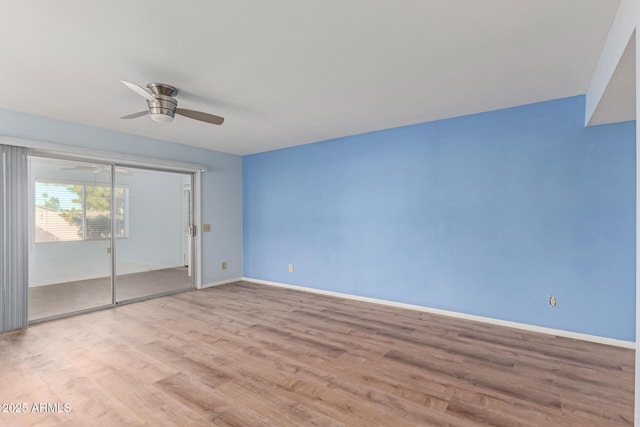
(246, 354)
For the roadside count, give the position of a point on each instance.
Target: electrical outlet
(290, 268)
(224, 265)
(553, 301)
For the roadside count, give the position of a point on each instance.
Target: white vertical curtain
(14, 237)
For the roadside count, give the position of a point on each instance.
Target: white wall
(155, 222)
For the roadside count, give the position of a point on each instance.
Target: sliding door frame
(114, 225)
(196, 279)
(109, 159)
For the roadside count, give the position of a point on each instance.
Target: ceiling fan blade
(199, 115)
(135, 115)
(79, 168)
(139, 90)
(123, 171)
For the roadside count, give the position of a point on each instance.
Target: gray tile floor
(61, 298)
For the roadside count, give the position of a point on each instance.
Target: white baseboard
(509, 324)
(131, 267)
(58, 280)
(127, 269)
(222, 282)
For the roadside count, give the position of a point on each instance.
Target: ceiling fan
(98, 169)
(163, 106)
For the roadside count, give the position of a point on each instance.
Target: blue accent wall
(487, 214)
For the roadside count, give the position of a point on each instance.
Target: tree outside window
(67, 212)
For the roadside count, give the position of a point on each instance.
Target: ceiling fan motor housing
(163, 109)
(162, 105)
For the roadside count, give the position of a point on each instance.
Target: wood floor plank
(252, 355)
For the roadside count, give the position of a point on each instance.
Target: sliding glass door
(70, 255)
(98, 241)
(150, 256)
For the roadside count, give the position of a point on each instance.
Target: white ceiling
(290, 72)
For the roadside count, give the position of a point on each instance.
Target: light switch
(206, 228)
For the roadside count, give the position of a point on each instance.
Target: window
(77, 211)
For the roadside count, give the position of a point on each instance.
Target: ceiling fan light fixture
(161, 117)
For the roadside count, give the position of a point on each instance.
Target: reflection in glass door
(75, 206)
(150, 256)
(70, 256)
